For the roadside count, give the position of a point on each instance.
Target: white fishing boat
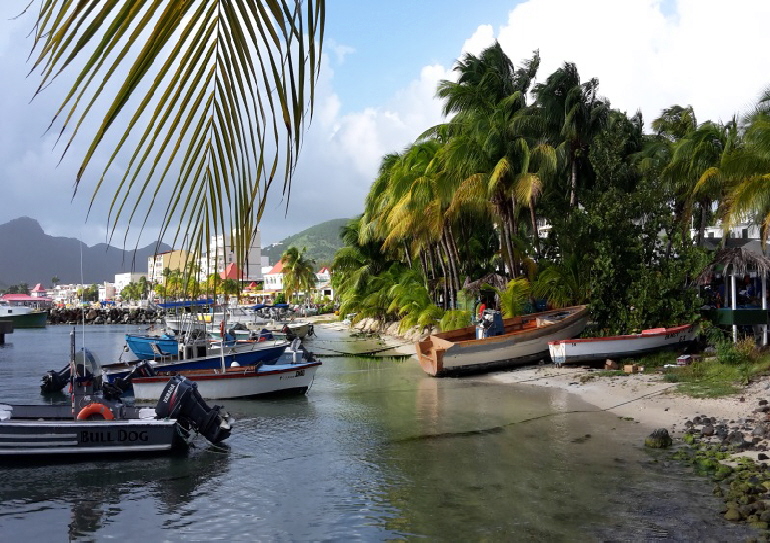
(497, 343)
(23, 316)
(293, 372)
(617, 347)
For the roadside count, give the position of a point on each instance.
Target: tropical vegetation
(549, 187)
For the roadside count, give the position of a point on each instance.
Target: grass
(733, 366)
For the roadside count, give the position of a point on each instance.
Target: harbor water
(376, 451)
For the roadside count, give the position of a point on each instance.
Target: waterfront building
(38, 302)
(123, 279)
(174, 260)
(222, 254)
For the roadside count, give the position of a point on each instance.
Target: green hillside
(321, 241)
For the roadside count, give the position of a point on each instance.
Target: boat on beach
(497, 343)
(616, 347)
(93, 423)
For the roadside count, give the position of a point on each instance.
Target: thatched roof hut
(492, 279)
(737, 261)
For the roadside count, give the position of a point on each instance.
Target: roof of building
(231, 272)
(39, 288)
(278, 268)
(325, 269)
(23, 298)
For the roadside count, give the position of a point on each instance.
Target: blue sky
(392, 40)
(383, 60)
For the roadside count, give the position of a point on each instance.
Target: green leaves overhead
(206, 103)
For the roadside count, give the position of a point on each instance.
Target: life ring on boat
(95, 409)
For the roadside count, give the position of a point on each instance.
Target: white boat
(496, 343)
(23, 316)
(294, 372)
(617, 347)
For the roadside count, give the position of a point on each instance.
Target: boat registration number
(300, 373)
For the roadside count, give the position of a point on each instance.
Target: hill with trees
(321, 242)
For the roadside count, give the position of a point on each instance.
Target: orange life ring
(95, 409)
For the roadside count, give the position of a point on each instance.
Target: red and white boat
(616, 347)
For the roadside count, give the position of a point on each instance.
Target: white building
(222, 253)
(106, 292)
(123, 279)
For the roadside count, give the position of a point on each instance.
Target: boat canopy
(187, 303)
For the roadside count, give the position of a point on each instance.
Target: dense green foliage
(561, 198)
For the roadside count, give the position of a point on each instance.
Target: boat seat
(157, 352)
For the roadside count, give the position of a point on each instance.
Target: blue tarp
(278, 306)
(187, 303)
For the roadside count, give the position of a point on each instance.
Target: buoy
(95, 409)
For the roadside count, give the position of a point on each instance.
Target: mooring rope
(333, 353)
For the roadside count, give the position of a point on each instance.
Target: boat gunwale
(665, 331)
(230, 373)
(578, 312)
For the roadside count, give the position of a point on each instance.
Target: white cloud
(706, 53)
(647, 54)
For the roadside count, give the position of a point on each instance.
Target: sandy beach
(647, 398)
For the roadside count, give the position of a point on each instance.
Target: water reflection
(94, 493)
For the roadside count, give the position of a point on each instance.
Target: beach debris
(658, 439)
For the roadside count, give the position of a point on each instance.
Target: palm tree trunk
(451, 277)
(424, 265)
(702, 227)
(573, 183)
(408, 256)
(443, 270)
(455, 257)
(535, 233)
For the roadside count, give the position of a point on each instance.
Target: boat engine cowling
(55, 381)
(181, 400)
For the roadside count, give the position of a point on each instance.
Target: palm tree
(484, 148)
(572, 113)
(215, 94)
(298, 272)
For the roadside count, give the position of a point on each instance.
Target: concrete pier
(6, 327)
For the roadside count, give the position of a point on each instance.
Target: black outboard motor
(116, 389)
(54, 381)
(181, 400)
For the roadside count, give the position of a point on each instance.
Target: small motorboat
(194, 355)
(497, 343)
(95, 423)
(618, 347)
(293, 372)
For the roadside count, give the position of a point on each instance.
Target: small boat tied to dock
(497, 343)
(97, 424)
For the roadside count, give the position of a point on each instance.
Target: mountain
(321, 241)
(31, 256)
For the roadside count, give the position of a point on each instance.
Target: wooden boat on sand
(616, 347)
(497, 343)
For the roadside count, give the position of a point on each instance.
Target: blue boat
(151, 347)
(202, 355)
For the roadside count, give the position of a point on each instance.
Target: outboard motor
(490, 324)
(113, 391)
(55, 381)
(181, 400)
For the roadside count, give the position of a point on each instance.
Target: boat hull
(30, 437)
(261, 353)
(34, 319)
(617, 347)
(525, 340)
(141, 346)
(235, 383)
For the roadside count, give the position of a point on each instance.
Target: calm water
(376, 451)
